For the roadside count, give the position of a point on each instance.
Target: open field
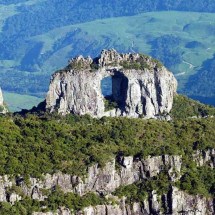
(17, 102)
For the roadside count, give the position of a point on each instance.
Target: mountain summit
(141, 87)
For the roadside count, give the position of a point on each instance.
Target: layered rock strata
(141, 86)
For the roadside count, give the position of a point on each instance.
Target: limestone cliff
(2, 106)
(176, 201)
(104, 181)
(202, 158)
(141, 86)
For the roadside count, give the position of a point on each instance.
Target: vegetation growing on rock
(110, 104)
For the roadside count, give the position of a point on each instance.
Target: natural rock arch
(141, 86)
(119, 85)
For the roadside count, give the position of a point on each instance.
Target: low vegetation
(110, 104)
(195, 180)
(135, 65)
(142, 63)
(1, 108)
(138, 192)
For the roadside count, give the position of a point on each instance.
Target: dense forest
(34, 20)
(203, 82)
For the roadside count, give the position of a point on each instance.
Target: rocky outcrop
(2, 106)
(205, 157)
(141, 86)
(183, 203)
(175, 202)
(121, 209)
(100, 180)
(1, 98)
(104, 181)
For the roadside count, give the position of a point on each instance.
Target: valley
(178, 42)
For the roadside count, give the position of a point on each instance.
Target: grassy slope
(16, 102)
(137, 31)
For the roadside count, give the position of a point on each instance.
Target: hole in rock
(106, 85)
(114, 89)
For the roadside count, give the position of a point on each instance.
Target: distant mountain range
(37, 37)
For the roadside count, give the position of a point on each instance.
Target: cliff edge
(141, 87)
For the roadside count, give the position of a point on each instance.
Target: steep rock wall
(1, 97)
(101, 180)
(105, 181)
(141, 87)
(202, 157)
(176, 202)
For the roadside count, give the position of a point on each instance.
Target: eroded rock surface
(100, 180)
(104, 181)
(1, 98)
(205, 157)
(175, 202)
(141, 86)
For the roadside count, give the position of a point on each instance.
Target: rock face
(103, 181)
(2, 107)
(141, 86)
(205, 158)
(106, 180)
(175, 202)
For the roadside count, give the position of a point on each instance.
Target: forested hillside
(202, 83)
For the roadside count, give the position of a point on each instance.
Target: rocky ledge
(141, 87)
